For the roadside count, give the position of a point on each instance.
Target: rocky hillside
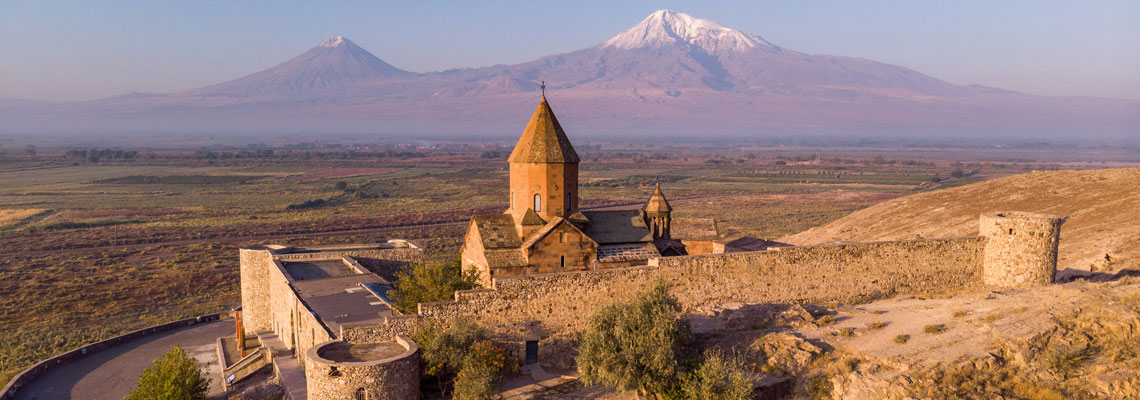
(1102, 234)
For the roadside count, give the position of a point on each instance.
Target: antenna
(543, 88)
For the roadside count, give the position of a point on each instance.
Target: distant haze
(669, 74)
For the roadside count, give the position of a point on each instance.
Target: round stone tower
(1021, 249)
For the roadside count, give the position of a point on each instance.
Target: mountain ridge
(669, 74)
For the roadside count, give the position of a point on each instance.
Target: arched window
(361, 394)
(567, 202)
(537, 203)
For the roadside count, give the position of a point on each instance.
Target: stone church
(544, 231)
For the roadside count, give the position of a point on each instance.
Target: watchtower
(1021, 248)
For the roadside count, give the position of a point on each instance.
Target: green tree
(173, 376)
(635, 345)
(480, 372)
(957, 173)
(719, 377)
(461, 356)
(426, 283)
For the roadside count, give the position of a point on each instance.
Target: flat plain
(97, 246)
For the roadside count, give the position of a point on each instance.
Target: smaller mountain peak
(334, 41)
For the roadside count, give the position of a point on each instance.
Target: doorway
(531, 351)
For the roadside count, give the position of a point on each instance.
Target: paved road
(111, 374)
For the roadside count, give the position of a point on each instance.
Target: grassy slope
(1103, 208)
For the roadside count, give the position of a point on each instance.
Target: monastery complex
(323, 317)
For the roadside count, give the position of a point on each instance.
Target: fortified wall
(551, 309)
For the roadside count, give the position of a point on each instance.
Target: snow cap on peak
(334, 41)
(665, 27)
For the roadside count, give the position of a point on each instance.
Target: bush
(480, 371)
(819, 387)
(902, 339)
(635, 345)
(307, 204)
(957, 173)
(461, 355)
(444, 349)
(719, 377)
(427, 283)
(174, 375)
(935, 329)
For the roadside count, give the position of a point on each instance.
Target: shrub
(902, 339)
(826, 320)
(174, 375)
(480, 371)
(444, 349)
(426, 283)
(847, 332)
(876, 325)
(935, 329)
(961, 313)
(307, 204)
(819, 387)
(635, 345)
(718, 377)
(462, 356)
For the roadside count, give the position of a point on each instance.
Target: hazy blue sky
(77, 50)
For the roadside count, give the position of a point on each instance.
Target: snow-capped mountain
(670, 74)
(667, 27)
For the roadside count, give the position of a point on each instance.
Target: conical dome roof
(543, 140)
(657, 202)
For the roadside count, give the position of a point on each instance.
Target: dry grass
(12, 216)
(935, 329)
(1100, 205)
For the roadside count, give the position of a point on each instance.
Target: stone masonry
(1022, 248)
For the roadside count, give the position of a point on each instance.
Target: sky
(82, 50)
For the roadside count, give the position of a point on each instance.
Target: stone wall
(1022, 248)
(396, 378)
(405, 254)
(553, 308)
(254, 264)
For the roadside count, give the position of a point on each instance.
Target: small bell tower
(657, 213)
